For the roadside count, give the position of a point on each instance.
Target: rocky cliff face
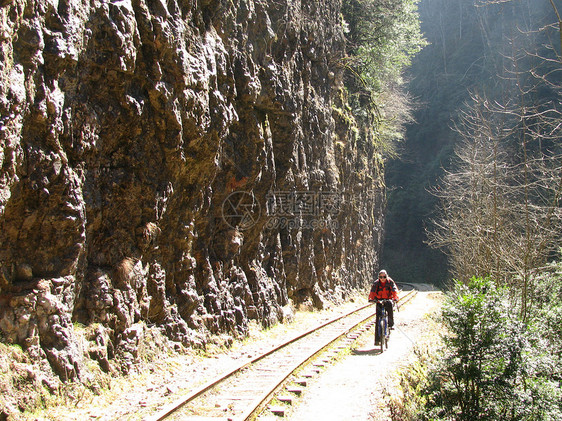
(189, 165)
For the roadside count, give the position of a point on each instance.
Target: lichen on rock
(125, 128)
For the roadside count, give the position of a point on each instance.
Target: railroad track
(242, 393)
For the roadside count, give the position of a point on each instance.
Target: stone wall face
(188, 164)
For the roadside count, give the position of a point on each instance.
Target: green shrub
(494, 367)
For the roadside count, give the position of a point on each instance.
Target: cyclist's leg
(390, 312)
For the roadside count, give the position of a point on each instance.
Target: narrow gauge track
(405, 286)
(242, 392)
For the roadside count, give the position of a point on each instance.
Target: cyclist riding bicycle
(385, 288)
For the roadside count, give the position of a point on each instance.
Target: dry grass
(20, 382)
(406, 400)
(29, 390)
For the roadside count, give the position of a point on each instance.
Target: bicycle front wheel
(382, 334)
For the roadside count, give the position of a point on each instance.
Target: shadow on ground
(366, 351)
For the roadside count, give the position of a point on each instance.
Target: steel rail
(162, 414)
(407, 297)
(260, 402)
(175, 406)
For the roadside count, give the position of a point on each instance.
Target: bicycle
(382, 329)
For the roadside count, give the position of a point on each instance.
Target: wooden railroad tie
(294, 389)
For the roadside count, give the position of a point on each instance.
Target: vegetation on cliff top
(383, 37)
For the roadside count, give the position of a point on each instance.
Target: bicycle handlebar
(382, 300)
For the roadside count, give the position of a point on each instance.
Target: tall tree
(501, 198)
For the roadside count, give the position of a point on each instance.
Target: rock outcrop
(188, 165)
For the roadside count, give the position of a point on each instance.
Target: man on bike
(384, 288)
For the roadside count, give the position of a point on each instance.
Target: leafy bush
(493, 366)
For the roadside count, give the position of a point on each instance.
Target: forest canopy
(497, 51)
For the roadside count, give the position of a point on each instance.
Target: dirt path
(354, 388)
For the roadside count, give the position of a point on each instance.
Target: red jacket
(383, 290)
